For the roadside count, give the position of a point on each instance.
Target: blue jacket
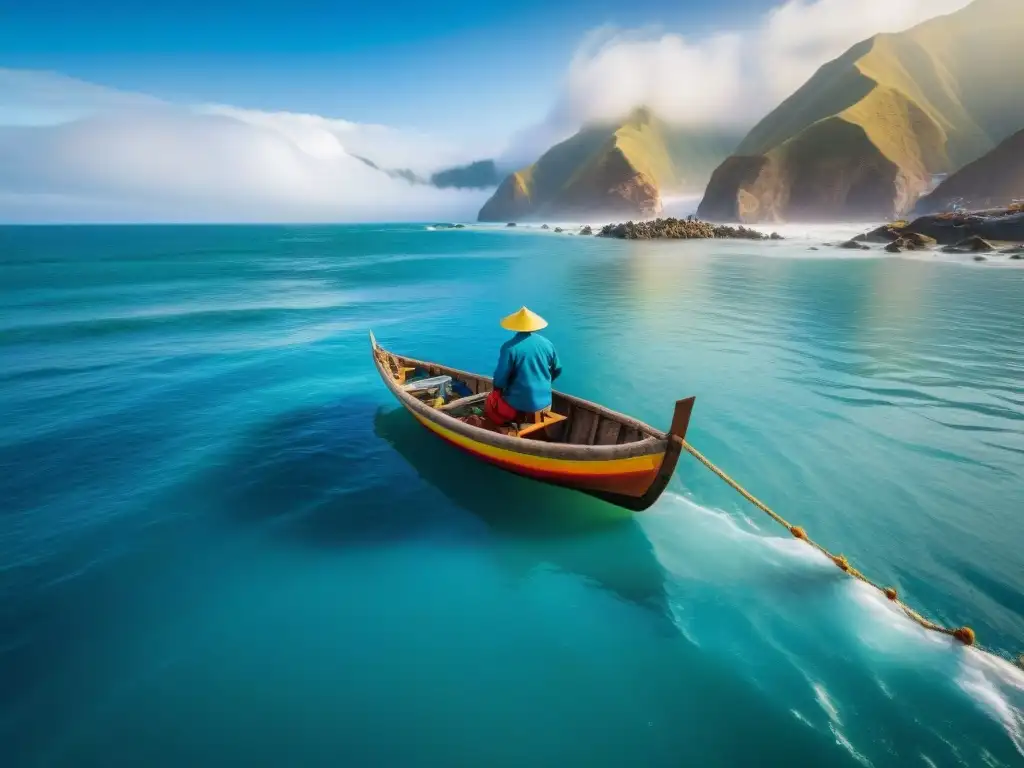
(527, 365)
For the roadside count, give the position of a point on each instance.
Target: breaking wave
(767, 586)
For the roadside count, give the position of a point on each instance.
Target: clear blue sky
(454, 66)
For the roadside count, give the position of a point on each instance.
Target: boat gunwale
(656, 442)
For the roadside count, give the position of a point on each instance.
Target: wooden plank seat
(542, 420)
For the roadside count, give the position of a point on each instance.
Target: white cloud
(74, 151)
(728, 77)
(681, 80)
(329, 137)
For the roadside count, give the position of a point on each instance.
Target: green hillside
(619, 169)
(863, 137)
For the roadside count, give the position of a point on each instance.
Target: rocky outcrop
(886, 233)
(973, 244)
(959, 233)
(915, 241)
(863, 138)
(1005, 224)
(911, 241)
(995, 179)
(678, 229)
(897, 236)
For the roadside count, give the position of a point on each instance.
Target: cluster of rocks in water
(960, 233)
(681, 229)
(666, 229)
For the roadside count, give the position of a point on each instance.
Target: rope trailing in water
(964, 634)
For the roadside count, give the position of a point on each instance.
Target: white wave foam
(826, 703)
(987, 679)
(717, 531)
(693, 542)
(801, 718)
(844, 742)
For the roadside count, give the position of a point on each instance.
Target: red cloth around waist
(497, 410)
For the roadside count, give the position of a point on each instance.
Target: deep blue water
(221, 542)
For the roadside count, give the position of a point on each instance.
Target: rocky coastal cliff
(863, 138)
(610, 170)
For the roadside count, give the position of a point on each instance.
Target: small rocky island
(681, 229)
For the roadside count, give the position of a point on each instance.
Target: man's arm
(556, 364)
(503, 373)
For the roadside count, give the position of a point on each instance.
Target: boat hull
(629, 477)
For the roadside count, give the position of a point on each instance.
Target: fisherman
(527, 365)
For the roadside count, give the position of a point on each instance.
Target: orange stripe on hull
(628, 477)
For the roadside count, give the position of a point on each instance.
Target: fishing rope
(964, 634)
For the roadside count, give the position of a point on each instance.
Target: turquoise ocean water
(222, 543)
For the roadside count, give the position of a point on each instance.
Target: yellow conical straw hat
(523, 321)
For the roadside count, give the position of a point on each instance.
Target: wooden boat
(576, 444)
